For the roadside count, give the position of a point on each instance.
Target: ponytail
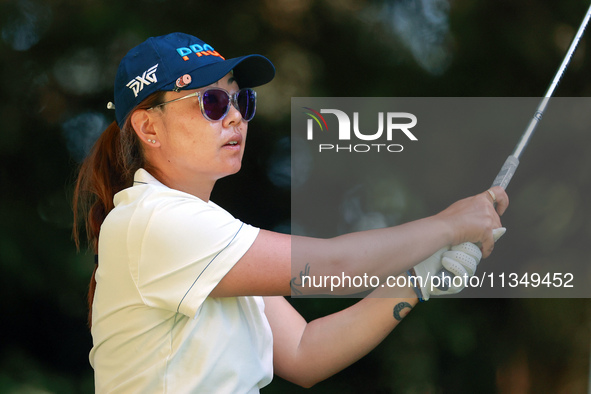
(108, 169)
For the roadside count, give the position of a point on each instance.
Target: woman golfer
(189, 299)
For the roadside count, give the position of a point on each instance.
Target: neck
(199, 187)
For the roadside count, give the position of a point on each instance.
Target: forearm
(334, 342)
(380, 252)
(393, 250)
(331, 343)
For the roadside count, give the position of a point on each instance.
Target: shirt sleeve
(187, 248)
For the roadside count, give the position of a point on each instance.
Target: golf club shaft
(508, 169)
(504, 176)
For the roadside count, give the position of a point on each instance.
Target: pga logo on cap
(199, 50)
(395, 121)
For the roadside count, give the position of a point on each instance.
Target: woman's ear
(143, 124)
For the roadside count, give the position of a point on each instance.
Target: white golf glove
(460, 260)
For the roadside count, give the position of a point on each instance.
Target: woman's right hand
(473, 219)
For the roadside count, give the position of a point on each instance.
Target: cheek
(185, 131)
(189, 132)
(200, 140)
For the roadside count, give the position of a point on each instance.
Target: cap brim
(250, 71)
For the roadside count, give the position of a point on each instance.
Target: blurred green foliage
(58, 62)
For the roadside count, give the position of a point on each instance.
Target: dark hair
(108, 169)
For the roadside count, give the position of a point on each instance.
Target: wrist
(412, 278)
(443, 225)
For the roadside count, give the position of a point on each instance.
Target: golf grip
(503, 178)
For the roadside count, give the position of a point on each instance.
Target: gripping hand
(460, 260)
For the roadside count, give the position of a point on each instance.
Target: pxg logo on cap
(147, 78)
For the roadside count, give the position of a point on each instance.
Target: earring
(152, 141)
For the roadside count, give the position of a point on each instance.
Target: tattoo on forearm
(293, 283)
(401, 307)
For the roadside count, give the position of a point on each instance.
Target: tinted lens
(246, 100)
(215, 103)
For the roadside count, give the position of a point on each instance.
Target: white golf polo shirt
(155, 330)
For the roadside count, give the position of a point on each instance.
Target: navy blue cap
(180, 61)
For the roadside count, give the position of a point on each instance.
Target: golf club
(508, 169)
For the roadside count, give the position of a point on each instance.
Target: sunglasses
(215, 103)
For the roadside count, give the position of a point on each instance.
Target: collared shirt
(155, 329)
